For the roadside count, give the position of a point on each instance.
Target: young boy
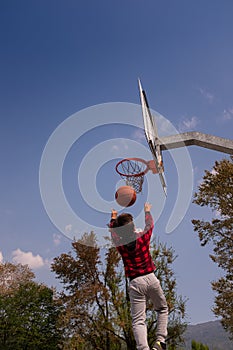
(134, 249)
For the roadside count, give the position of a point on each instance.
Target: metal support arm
(199, 139)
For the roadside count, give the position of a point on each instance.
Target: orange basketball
(125, 196)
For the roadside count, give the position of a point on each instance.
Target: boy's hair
(124, 219)
(125, 228)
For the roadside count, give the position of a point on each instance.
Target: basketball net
(132, 173)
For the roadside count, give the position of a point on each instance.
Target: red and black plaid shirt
(138, 261)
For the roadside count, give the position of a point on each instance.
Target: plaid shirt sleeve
(149, 225)
(138, 261)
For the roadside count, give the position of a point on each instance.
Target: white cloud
(27, 258)
(115, 148)
(207, 95)
(122, 144)
(227, 114)
(56, 239)
(188, 124)
(213, 172)
(201, 181)
(1, 258)
(68, 228)
(139, 135)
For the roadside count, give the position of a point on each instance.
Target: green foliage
(216, 192)
(28, 312)
(164, 257)
(97, 307)
(199, 346)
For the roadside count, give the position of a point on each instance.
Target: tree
(199, 346)
(86, 296)
(13, 275)
(28, 311)
(164, 257)
(216, 192)
(97, 308)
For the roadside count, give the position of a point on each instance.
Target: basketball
(125, 196)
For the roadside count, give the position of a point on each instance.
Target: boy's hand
(114, 214)
(147, 207)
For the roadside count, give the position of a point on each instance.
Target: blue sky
(60, 58)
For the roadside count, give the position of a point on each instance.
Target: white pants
(140, 290)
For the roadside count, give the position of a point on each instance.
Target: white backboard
(152, 138)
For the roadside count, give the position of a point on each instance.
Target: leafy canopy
(216, 193)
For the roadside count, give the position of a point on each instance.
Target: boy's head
(124, 219)
(125, 228)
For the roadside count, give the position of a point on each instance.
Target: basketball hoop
(132, 171)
